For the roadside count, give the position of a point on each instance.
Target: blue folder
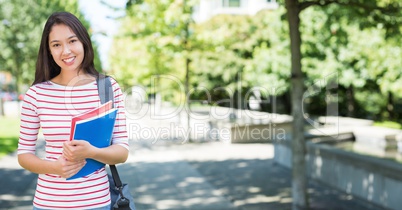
(98, 132)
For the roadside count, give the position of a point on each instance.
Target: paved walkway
(214, 175)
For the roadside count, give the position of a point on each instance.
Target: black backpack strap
(105, 90)
(116, 179)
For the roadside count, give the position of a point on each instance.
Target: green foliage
(270, 67)
(353, 53)
(371, 102)
(242, 53)
(18, 41)
(149, 49)
(351, 44)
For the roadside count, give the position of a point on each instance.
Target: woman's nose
(66, 50)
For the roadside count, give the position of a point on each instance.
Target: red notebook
(104, 108)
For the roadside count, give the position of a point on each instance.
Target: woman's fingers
(73, 169)
(69, 168)
(75, 149)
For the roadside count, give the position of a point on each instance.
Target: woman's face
(66, 49)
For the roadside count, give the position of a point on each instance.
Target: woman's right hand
(68, 168)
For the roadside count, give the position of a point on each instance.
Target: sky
(102, 25)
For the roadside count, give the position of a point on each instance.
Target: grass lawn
(9, 134)
(388, 124)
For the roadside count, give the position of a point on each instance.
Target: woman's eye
(56, 45)
(74, 40)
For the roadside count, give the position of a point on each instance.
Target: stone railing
(374, 179)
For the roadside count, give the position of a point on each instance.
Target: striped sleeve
(29, 125)
(120, 136)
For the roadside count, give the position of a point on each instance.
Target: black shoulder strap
(105, 89)
(106, 94)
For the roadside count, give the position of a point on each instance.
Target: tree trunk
(299, 177)
(187, 90)
(1, 107)
(390, 106)
(351, 101)
(17, 80)
(187, 70)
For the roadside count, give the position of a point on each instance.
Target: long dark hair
(46, 67)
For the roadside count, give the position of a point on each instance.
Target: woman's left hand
(77, 150)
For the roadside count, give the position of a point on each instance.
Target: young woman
(64, 86)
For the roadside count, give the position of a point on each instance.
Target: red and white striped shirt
(50, 107)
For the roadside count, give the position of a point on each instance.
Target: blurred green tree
(241, 54)
(334, 44)
(152, 47)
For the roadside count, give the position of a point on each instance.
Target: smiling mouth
(69, 60)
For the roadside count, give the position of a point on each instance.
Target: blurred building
(6, 82)
(208, 8)
(5, 77)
